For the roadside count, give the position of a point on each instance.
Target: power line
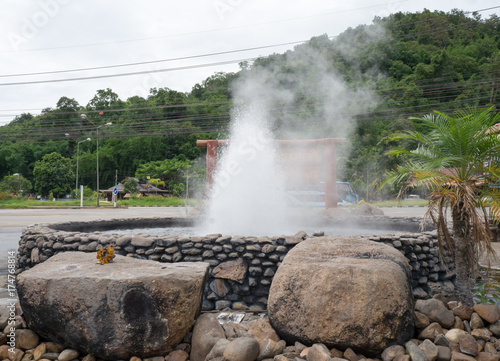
(155, 61)
(172, 59)
(197, 124)
(130, 73)
(170, 106)
(395, 92)
(438, 87)
(485, 9)
(189, 57)
(440, 90)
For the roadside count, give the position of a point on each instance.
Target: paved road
(25, 217)
(12, 221)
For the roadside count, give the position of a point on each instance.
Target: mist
(299, 96)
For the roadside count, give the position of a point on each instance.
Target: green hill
(363, 84)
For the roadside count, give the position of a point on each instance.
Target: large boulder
(344, 292)
(126, 308)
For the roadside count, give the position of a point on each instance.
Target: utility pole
(115, 196)
(367, 184)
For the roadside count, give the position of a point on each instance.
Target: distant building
(494, 129)
(145, 190)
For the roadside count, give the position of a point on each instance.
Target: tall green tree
(53, 174)
(16, 184)
(105, 98)
(458, 161)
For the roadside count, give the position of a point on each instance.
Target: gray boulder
(343, 292)
(429, 349)
(468, 345)
(489, 313)
(495, 328)
(242, 349)
(415, 352)
(437, 311)
(126, 308)
(269, 349)
(319, 352)
(206, 333)
(392, 352)
(217, 350)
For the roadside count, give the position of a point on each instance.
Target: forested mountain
(401, 66)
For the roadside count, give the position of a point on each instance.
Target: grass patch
(25, 203)
(402, 203)
(15, 203)
(157, 201)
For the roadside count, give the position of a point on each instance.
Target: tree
(457, 160)
(107, 101)
(179, 173)
(68, 105)
(53, 174)
(105, 98)
(193, 175)
(157, 182)
(24, 118)
(492, 71)
(16, 184)
(172, 100)
(131, 186)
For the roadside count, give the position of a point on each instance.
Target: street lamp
(77, 153)
(97, 138)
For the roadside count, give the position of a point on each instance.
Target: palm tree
(457, 160)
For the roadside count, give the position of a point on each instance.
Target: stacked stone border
(241, 267)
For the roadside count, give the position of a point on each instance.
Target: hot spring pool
(194, 231)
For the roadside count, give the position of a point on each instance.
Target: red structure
(330, 150)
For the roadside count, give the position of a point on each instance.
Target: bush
(131, 186)
(6, 196)
(157, 201)
(87, 193)
(16, 184)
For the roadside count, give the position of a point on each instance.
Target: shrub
(6, 196)
(87, 193)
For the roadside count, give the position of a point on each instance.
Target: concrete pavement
(26, 217)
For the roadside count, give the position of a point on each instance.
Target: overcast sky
(39, 36)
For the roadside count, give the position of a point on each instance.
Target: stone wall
(241, 268)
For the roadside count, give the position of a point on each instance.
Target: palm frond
(457, 159)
